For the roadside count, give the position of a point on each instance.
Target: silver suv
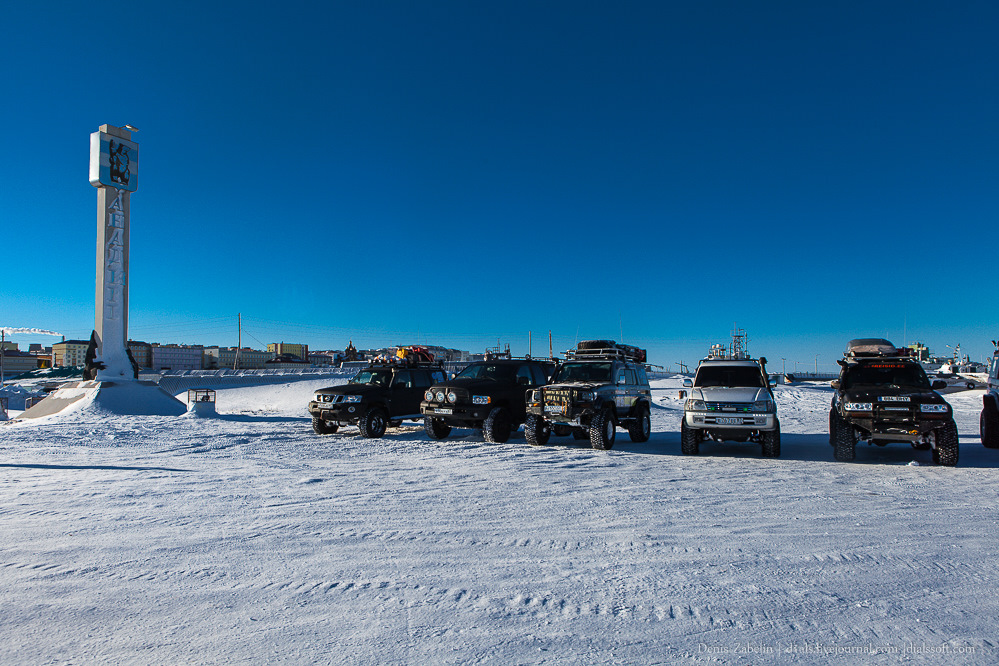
(730, 400)
(989, 420)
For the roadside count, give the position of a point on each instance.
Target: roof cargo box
(871, 347)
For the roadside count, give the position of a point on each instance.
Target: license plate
(442, 410)
(554, 409)
(724, 420)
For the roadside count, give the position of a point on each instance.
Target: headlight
(321, 398)
(933, 408)
(587, 396)
(536, 395)
(481, 399)
(428, 396)
(439, 396)
(695, 405)
(763, 406)
(452, 396)
(353, 398)
(858, 407)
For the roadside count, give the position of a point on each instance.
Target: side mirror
(938, 384)
(835, 384)
(688, 383)
(452, 375)
(772, 381)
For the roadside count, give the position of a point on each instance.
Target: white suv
(730, 400)
(989, 420)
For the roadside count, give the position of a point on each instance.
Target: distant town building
(299, 350)
(222, 358)
(325, 358)
(17, 362)
(920, 351)
(142, 352)
(176, 358)
(69, 353)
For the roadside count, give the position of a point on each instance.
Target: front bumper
(907, 430)
(733, 421)
(454, 414)
(576, 413)
(340, 413)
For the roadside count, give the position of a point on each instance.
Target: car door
(405, 398)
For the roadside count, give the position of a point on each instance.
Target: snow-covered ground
(248, 539)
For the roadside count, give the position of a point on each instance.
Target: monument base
(133, 398)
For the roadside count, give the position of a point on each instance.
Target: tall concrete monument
(114, 171)
(114, 388)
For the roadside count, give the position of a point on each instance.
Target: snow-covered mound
(107, 399)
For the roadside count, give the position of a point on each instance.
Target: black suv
(383, 394)
(988, 422)
(486, 394)
(883, 395)
(601, 385)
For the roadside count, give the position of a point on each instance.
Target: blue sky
(456, 173)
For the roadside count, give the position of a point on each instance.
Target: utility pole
(530, 344)
(816, 364)
(3, 352)
(551, 350)
(239, 340)
(782, 365)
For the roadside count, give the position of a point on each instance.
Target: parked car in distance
(486, 395)
(988, 422)
(883, 395)
(383, 394)
(600, 386)
(730, 400)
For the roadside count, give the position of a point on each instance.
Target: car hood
(871, 394)
(579, 386)
(725, 394)
(480, 386)
(352, 389)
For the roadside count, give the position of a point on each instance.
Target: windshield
(583, 372)
(730, 376)
(376, 377)
(885, 374)
(497, 371)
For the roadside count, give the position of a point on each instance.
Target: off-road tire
(640, 428)
(373, 422)
(690, 439)
(323, 427)
(603, 430)
(844, 439)
(945, 452)
(435, 427)
(770, 442)
(988, 424)
(537, 430)
(832, 415)
(497, 426)
(561, 430)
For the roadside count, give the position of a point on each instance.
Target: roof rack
(605, 349)
(409, 362)
(874, 348)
